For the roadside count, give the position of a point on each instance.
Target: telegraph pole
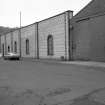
(20, 35)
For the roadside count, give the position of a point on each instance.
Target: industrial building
(47, 39)
(62, 37)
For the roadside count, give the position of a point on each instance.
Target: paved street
(57, 83)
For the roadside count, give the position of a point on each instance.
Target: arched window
(8, 48)
(15, 47)
(50, 45)
(27, 46)
(3, 49)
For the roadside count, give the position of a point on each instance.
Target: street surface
(30, 82)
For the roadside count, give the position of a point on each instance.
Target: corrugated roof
(93, 8)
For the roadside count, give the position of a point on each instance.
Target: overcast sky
(35, 10)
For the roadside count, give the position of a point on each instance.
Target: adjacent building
(89, 32)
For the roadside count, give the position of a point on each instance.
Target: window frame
(27, 47)
(8, 48)
(50, 45)
(15, 46)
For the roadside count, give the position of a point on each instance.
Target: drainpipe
(11, 41)
(5, 44)
(0, 43)
(68, 36)
(37, 40)
(70, 40)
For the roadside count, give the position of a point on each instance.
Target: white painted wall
(8, 42)
(2, 42)
(16, 38)
(56, 27)
(28, 32)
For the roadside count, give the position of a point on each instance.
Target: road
(56, 82)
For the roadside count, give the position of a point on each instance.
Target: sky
(35, 10)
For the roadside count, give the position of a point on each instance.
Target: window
(8, 48)
(15, 47)
(50, 45)
(27, 46)
(3, 49)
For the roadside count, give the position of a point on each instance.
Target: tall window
(15, 47)
(8, 48)
(27, 46)
(3, 49)
(50, 45)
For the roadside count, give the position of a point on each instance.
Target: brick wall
(89, 39)
(97, 45)
(81, 40)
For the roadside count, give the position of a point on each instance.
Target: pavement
(85, 63)
(80, 63)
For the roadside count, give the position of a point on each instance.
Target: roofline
(46, 18)
(6, 33)
(37, 22)
(11, 30)
(93, 16)
(55, 15)
(83, 8)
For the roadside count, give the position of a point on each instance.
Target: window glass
(8, 48)
(50, 45)
(15, 47)
(27, 46)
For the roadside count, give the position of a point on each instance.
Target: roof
(36, 22)
(93, 8)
